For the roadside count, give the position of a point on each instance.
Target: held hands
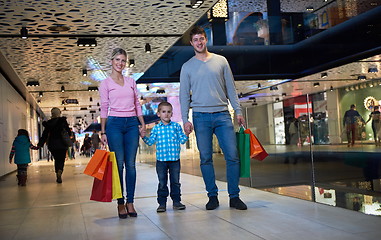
(142, 131)
(188, 128)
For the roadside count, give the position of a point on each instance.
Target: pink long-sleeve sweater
(119, 101)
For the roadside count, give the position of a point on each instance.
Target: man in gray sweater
(206, 85)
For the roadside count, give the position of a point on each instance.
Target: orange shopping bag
(97, 164)
(256, 149)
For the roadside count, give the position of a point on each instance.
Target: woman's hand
(142, 130)
(104, 139)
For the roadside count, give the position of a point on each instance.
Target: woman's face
(119, 62)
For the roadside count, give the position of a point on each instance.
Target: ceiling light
(83, 108)
(147, 88)
(310, 9)
(331, 89)
(86, 42)
(196, 3)
(219, 11)
(160, 91)
(40, 94)
(84, 72)
(92, 89)
(253, 98)
(254, 104)
(38, 101)
(71, 101)
(324, 75)
(273, 88)
(259, 85)
(372, 70)
(361, 77)
(276, 99)
(33, 83)
(284, 94)
(148, 48)
(131, 63)
(24, 33)
(91, 99)
(62, 88)
(316, 84)
(64, 109)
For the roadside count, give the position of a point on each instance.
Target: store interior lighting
(62, 88)
(24, 33)
(86, 42)
(33, 83)
(196, 3)
(324, 75)
(131, 63)
(148, 48)
(84, 72)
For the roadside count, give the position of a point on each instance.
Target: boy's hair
(197, 30)
(164, 104)
(22, 132)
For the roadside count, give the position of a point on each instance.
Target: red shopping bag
(102, 189)
(97, 164)
(256, 149)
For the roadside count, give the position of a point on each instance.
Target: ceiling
(54, 59)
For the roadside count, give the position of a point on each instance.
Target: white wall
(14, 114)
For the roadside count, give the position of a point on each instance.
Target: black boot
(22, 180)
(59, 176)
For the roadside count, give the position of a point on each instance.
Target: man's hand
(188, 128)
(241, 121)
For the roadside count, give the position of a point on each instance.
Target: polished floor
(47, 210)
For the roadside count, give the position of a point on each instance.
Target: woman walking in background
(121, 115)
(20, 149)
(52, 135)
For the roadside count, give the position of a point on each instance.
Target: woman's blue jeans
(123, 139)
(220, 124)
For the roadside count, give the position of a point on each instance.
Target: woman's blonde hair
(118, 51)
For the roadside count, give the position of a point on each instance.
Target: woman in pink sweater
(121, 115)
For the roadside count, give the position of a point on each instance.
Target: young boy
(167, 135)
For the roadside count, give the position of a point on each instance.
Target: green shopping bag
(243, 146)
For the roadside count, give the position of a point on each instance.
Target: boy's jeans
(162, 170)
(219, 123)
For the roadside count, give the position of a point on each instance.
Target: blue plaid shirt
(168, 139)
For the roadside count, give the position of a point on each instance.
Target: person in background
(350, 121)
(73, 140)
(375, 116)
(168, 136)
(53, 137)
(207, 85)
(95, 140)
(121, 115)
(87, 145)
(20, 150)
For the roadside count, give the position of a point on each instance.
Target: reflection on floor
(47, 210)
(351, 175)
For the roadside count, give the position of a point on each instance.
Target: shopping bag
(243, 146)
(256, 149)
(102, 189)
(116, 188)
(97, 164)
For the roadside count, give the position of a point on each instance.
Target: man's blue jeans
(162, 170)
(123, 139)
(219, 123)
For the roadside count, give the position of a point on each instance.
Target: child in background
(20, 149)
(168, 136)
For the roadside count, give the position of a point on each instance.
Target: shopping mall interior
(298, 67)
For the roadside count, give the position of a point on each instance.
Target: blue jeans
(219, 123)
(162, 170)
(123, 139)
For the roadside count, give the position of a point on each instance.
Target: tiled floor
(47, 210)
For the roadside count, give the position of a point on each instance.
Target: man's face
(198, 42)
(165, 114)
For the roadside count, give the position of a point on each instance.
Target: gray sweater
(207, 86)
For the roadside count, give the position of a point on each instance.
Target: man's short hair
(164, 104)
(197, 30)
(353, 106)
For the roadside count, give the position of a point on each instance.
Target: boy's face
(165, 114)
